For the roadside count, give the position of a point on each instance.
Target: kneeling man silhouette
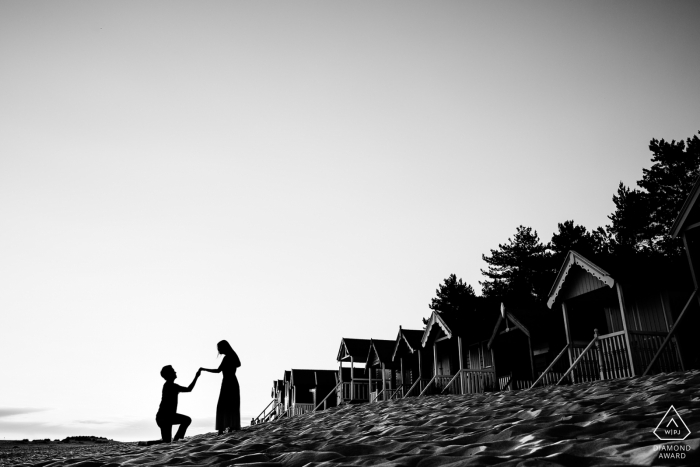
(167, 415)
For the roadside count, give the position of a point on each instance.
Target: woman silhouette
(228, 410)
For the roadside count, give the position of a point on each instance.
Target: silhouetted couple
(228, 410)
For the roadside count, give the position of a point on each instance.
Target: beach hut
(353, 386)
(276, 407)
(287, 389)
(462, 361)
(616, 318)
(525, 339)
(380, 369)
(306, 385)
(687, 322)
(326, 382)
(278, 396)
(408, 352)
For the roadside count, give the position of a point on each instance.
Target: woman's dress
(228, 410)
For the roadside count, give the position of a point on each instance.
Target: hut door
(443, 357)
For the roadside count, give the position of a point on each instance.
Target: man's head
(168, 373)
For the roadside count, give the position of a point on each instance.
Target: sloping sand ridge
(601, 423)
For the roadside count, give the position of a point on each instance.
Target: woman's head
(224, 348)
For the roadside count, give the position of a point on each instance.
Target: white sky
(283, 174)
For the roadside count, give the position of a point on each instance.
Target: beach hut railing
(374, 395)
(613, 357)
(646, 344)
(265, 417)
(357, 389)
(544, 377)
(333, 391)
(427, 386)
(609, 360)
(463, 382)
(581, 358)
(299, 409)
(504, 383)
(443, 384)
(521, 384)
(587, 368)
(286, 413)
(416, 384)
(671, 333)
(396, 393)
(448, 386)
(477, 381)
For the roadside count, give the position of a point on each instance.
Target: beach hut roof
(410, 339)
(380, 351)
(689, 216)
(326, 377)
(472, 324)
(508, 319)
(303, 377)
(357, 349)
(436, 320)
(576, 259)
(531, 320)
(579, 275)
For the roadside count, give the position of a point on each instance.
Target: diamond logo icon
(671, 427)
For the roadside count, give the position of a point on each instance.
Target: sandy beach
(601, 423)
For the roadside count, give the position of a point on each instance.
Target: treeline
(524, 267)
(70, 439)
(89, 439)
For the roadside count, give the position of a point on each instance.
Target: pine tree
(643, 217)
(520, 268)
(453, 297)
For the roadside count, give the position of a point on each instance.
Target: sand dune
(602, 423)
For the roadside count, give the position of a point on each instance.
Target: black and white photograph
(306, 233)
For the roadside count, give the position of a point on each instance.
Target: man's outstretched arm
(194, 381)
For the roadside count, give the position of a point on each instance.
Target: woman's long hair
(225, 348)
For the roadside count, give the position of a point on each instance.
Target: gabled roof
(688, 214)
(303, 377)
(473, 325)
(409, 339)
(326, 377)
(277, 386)
(380, 351)
(507, 318)
(436, 320)
(312, 378)
(357, 349)
(575, 259)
